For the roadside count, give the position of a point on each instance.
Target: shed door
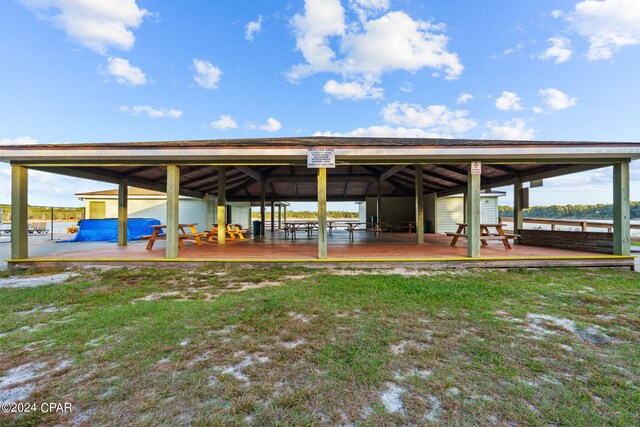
(97, 210)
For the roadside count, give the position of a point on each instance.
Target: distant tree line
(309, 214)
(600, 211)
(44, 213)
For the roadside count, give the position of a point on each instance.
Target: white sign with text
(321, 158)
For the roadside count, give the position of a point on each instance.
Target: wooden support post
(123, 197)
(273, 217)
(378, 203)
(419, 205)
(19, 212)
(173, 209)
(209, 217)
(322, 213)
(464, 207)
(621, 210)
(263, 201)
(517, 207)
(285, 214)
(222, 206)
(279, 217)
(473, 213)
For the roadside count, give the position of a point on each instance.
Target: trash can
(257, 228)
(374, 220)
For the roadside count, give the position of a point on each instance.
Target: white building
(153, 204)
(443, 212)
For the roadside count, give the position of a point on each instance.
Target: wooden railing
(584, 225)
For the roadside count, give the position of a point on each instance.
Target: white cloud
(21, 140)
(608, 25)
(95, 24)
(365, 50)
(560, 50)
(124, 72)
(464, 97)
(438, 119)
(556, 13)
(272, 125)
(366, 8)
(353, 90)
(511, 50)
(154, 113)
(385, 131)
(515, 129)
(322, 19)
(406, 87)
(207, 75)
(253, 27)
(397, 42)
(224, 122)
(556, 99)
(508, 101)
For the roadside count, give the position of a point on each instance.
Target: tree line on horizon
(308, 214)
(599, 211)
(43, 213)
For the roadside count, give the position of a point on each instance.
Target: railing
(584, 225)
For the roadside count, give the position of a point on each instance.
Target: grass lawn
(294, 346)
(635, 243)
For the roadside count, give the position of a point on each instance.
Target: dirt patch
(35, 281)
(19, 382)
(391, 399)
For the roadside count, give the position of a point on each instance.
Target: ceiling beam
(251, 172)
(391, 171)
(96, 174)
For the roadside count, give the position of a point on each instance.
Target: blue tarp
(106, 230)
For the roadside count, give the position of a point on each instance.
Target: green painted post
(123, 195)
(19, 212)
(518, 221)
(473, 210)
(222, 205)
(322, 213)
(621, 212)
(419, 205)
(173, 195)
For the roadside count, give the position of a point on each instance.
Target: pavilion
(274, 170)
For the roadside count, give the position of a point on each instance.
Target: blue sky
(136, 70)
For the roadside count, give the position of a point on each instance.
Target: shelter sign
(476, 168)
(321, 158)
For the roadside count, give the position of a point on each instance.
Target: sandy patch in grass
(18, 383)
(391, 399)
(41, 309)
(436, 408)
(35, 281)
(293, 344)
(237, 370)
(402, 346)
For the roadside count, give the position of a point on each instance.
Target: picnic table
(485, 234)
(233, 231)
(182, 235)
(293, 227)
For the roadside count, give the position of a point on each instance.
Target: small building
(144, 203)
(441, 214)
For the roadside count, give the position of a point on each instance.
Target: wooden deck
(364, 249)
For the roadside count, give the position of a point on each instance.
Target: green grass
(156, 346)
(635, 243)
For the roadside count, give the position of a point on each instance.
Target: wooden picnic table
(293, 227)
(182, 235)
(233, 231)
(485, 234)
